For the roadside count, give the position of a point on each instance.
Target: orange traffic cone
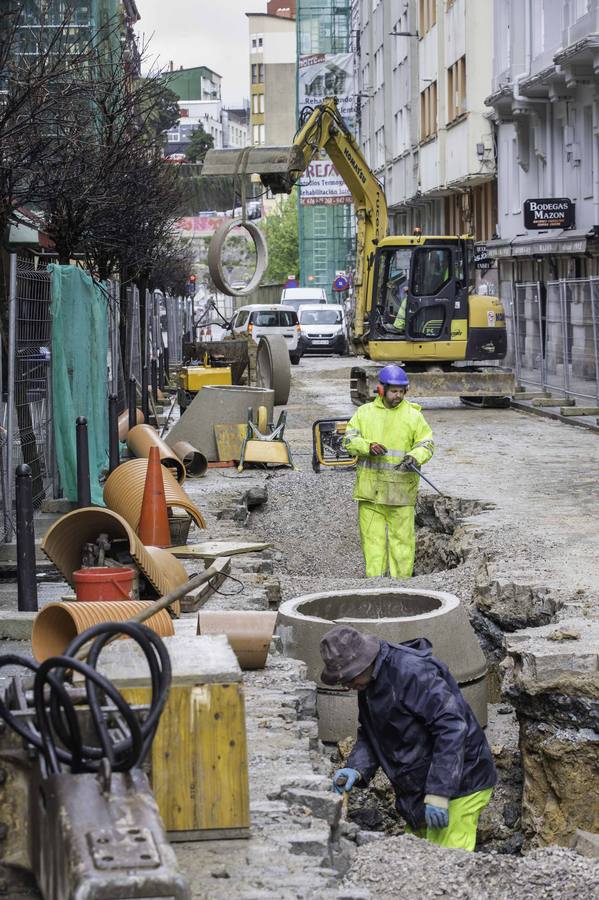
(153, 529)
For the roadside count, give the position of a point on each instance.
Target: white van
(297, 297)
(260, 319)
(322, 329)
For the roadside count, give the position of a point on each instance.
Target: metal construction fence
(27, 433)
(554, 329)
(27, 419)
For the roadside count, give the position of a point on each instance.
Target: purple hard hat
(394, 375)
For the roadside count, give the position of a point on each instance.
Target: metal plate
(123, 848)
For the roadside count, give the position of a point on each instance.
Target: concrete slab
(16, 626)
(567, 653)
(201, 659)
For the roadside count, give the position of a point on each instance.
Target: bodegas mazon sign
(555, 212)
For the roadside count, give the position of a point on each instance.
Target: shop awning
(544, 243)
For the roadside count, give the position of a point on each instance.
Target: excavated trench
(319, 551)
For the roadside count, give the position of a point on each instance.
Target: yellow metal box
(194, 378)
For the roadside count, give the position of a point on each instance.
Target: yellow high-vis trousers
(388, 539)
(460, 834)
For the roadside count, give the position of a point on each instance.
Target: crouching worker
(415, 724)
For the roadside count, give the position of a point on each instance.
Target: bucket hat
(346, 653)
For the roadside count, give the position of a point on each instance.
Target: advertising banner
(323, 75)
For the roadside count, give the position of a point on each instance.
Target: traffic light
(191, 286)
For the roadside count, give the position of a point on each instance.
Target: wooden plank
(199, 757)
(212, 549)
(196, 599)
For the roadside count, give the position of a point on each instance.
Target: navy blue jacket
(415, 724)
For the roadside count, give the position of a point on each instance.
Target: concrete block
(322, 805)
(200, 659)
(58, 505)
(565, 653)
(586, 843)
(16, 626)
(309, 841)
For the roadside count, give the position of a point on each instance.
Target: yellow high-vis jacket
(403, 431)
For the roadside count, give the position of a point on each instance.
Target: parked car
(297, 297)
(322, 329)
(260, 319)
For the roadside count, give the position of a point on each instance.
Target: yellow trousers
(388, 539)
(463, 822)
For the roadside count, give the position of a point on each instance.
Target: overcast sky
(211, 33)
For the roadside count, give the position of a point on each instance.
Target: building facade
(199, 95)
(546, 108)
(424, 69)
(272, 77)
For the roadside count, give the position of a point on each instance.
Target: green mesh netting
(79, 374)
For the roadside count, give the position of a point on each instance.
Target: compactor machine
(414, 296)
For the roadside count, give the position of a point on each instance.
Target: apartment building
(546, 108)
(272, 76)
(424, 69)
(199, 92)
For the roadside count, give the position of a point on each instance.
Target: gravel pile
(407, 867)
(319, 541)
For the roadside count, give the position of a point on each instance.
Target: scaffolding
(326, 232)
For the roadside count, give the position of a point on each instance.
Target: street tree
(281, 231)
(201, 142)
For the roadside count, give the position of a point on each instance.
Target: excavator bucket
(278, 167)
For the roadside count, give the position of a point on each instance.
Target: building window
(262, 134)
(378, 69)
(380, 147)
(260, 73)
(427, 15)
(255, 103)
(257, 42)
(428, 111)
(456, 89)
(254, 73)
(256, 134)
(587, 152)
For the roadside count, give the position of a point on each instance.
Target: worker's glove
(408, 461)
(436, 816)
(378, 449)
(344, 780)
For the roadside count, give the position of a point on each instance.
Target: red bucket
(103, 583)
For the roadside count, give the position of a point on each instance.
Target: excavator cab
(421, 290)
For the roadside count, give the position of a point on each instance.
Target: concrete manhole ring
(396, 615)
(273, 369)
(215, 262)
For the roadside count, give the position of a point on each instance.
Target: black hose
(56, 733)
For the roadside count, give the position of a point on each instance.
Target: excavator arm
(321, 128)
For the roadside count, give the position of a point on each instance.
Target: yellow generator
(192, 379)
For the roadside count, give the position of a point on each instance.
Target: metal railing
(555, 328)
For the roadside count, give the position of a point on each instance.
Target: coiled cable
(56, 732)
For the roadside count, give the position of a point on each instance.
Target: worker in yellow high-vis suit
(385, 435)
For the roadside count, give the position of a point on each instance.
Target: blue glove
(350, 776)
(436, 816)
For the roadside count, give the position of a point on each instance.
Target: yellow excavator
(415, 300)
